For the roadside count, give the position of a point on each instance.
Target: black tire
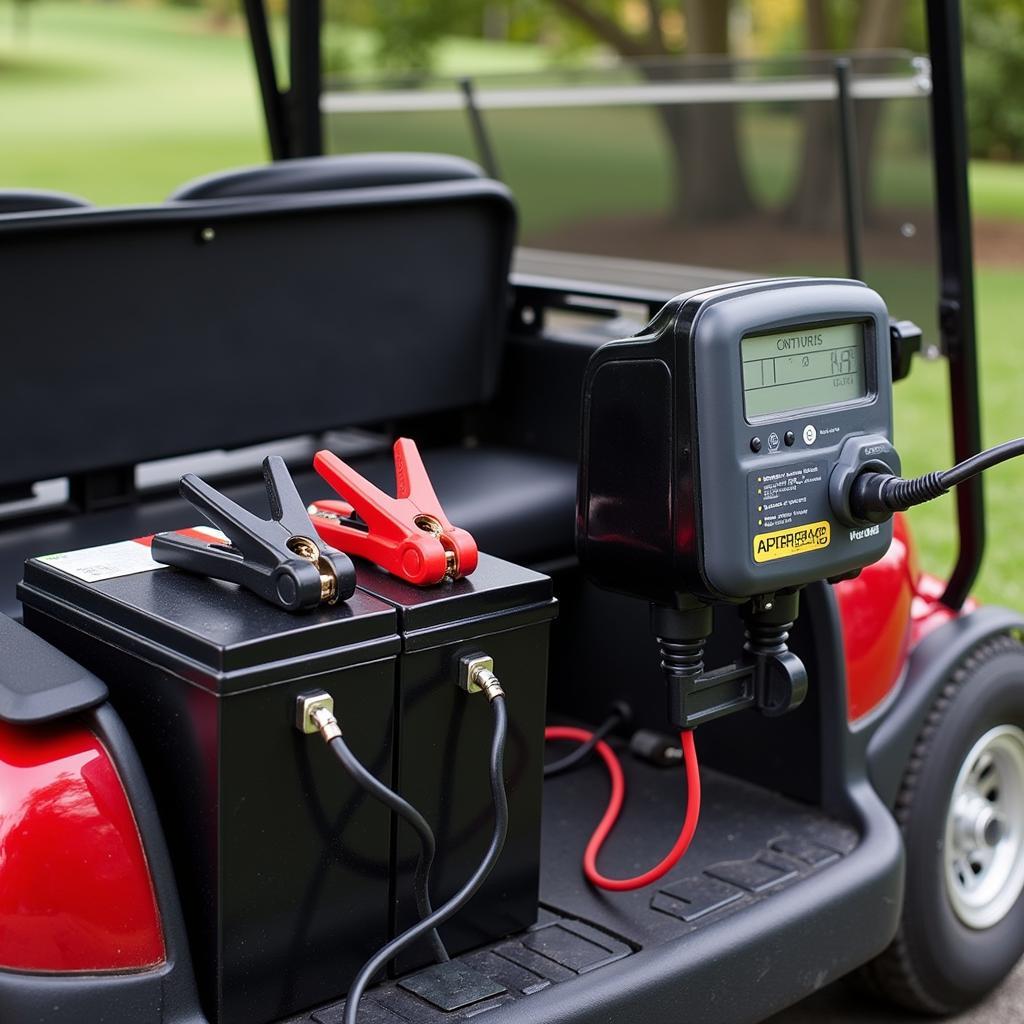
(936, 964)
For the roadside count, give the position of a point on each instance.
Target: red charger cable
(612, 811)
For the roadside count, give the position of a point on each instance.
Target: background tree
(869, 25)
(701, 140)
(994, 69)
(703, 143)
(20, 18)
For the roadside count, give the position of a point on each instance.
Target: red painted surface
(928, 611)
(75, 888)
(875, 609)
(885, 611)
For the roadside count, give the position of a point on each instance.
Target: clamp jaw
(408, 535)
(276, 558)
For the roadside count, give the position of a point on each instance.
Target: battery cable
(614, 808)
(428, 846)
(874, 497)
(318, 710)
(470, 888)
(620, 714)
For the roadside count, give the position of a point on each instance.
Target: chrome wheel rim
(984, 843)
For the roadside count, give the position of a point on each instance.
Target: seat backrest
(328, 174)
(138, 333)
(27, 200)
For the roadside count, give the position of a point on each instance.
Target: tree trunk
(815, 200)
(20, 12)
(709, 179)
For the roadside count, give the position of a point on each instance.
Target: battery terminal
(476, 675)
(314, 712)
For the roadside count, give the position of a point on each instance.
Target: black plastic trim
(37, 682)
(180, 998)
(863, 894)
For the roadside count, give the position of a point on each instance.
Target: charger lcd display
(803, 368)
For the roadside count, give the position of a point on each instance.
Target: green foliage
(408, 31)
(410, 34)
(994, 69)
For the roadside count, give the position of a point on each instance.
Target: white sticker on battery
(108, 561)
(124, 558)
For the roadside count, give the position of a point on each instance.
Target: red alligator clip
(408, 535)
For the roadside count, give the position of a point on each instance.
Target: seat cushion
(518, 506)
(328, 173)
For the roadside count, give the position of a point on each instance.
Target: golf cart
(243, 757)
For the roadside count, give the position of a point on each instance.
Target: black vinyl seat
(268, 302)
(328, 174)
(29, 200)
(518, 506)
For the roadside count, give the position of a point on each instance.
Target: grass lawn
(922, 435)
(997, 190)
(121, 104)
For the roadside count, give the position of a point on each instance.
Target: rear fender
(931, 662)
(91, 926)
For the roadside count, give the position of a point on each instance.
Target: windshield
(677, 174)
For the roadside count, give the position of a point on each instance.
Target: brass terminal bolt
(327, 724)
(476, 675)
(305, 548)
(314, 712)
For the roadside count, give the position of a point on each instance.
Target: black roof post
(266, 74)
(956, 303)
(305, 132)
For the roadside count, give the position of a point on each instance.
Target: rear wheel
(961, 809)
(985, 830)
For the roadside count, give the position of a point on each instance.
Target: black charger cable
(874, 497)
(621, 712)
(317, 715)
(488, 683)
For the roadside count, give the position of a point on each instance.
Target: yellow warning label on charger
(796, 540)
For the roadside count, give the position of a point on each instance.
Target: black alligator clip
(280, 559)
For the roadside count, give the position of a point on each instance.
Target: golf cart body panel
(214, 321)
(518, 501)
